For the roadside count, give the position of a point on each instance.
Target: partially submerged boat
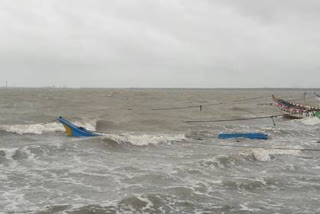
(294, 110)
(75, 131)
(253, 135)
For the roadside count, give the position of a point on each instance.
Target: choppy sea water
(152, 161)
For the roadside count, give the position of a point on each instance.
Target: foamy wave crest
(143, 140)
(33, 128)
(227, 161)
(267, 154)
(43, 128)
(311, 121)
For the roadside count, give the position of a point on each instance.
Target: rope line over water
(203, 105)
(200, 106)
(51, 121)
(230, 120)
(173, 108)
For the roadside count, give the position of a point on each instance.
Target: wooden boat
(294, 110)
(254, 135)
(75, 131)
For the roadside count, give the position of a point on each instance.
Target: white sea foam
(43, 128)
(311, 121)
(9, 152)
(143, 198)
(245, 207)
(33, 128)
(266, 154)
(145, 139)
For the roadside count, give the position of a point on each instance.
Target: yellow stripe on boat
(68, 130)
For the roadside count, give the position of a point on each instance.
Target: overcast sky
(160, 43)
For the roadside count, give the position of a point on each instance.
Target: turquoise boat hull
(75, 131)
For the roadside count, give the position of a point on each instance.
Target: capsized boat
(75, 131)
(294, 110)
(253, 135)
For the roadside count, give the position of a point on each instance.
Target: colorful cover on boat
(295, 110)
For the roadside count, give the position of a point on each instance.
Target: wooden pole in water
(6, 84)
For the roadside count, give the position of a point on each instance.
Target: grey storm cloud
(160, 43)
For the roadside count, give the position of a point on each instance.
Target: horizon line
(54, 87)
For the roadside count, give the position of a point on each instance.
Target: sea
(150, 159)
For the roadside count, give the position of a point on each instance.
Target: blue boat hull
(75, 131)
(258, 136)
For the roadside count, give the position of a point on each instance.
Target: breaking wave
(311, 121)
(145, 139)
(227, 161)
(250, 184)
(39, 128)
(268, 154)
(33, 128)
(134, 139)
(234, 160)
